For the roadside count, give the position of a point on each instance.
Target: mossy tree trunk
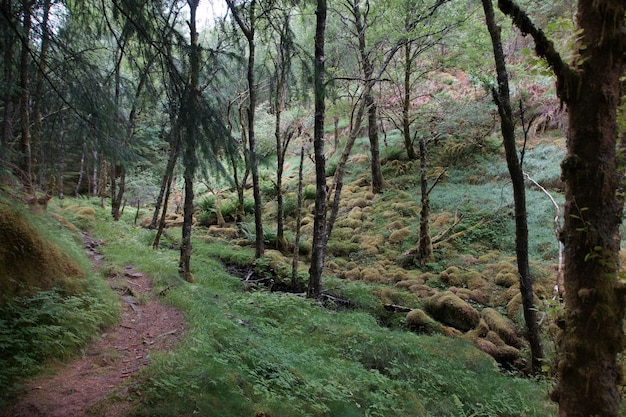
(424, 245)
(296, 246)
(8, 54)
(588, 373)
(282, 68)
(249, 28)
(314, 289)
(26, 165)
(502, 99)
(406, 102)
(190, 108)
(360, 26)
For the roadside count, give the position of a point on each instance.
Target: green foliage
(247, 352)
(308, 192)
(49, 324)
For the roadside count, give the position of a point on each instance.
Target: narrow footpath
(77, 388)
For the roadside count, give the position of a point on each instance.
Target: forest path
(75, 389)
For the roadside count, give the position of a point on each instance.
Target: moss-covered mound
(28, 261)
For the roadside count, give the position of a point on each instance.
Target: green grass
(247, 352)
(52, 324)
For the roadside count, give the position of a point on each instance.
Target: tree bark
(314, 289)
(8, 55)
(296, 245)
(189, 156)
(26, 157)
(406, 104)
(249, 32)
(360, 23)
(39, 87)
(424, 244)
(502, 98)
(588, 373)
(167, 180)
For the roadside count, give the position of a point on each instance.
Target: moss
(452, 310)
(352, 274)
(348, 223)
(358, 202)
(356, 213)
(85, 213)
(475, 281)
(227, 232)
(28, 261)
(502, 326)
(506, 279)
(338, 248)
(418, 321)
(399, 236)
(395, 225)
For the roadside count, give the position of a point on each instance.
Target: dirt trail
(146, 325)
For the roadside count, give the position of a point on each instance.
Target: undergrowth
(51, 321)
(252, 351)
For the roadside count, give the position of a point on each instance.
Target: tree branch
(544, 47)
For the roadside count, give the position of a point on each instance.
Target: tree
(502, 99)
(282, 57)
(249, 30)
(593, 171)
(314, 289)
(26, 163)
(361, 24)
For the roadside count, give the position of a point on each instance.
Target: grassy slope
(253, 351)
(52, 304)
(250, 352)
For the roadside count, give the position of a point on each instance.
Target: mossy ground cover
(253, 351)
(52, 303)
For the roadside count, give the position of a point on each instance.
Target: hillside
(253, 351)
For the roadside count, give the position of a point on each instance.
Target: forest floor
(77, 388)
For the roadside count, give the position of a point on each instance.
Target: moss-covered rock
(506, 279)
(502, 326)
(399, 236)
(418, 321)
(452, 310)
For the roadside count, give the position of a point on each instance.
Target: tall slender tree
(314, 289)
(502, 99)
(593, 171)
(190, 111)
(26, 164)
(248, 28)
(361, 25)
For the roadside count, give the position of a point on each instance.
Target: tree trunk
(26, 157)
(424, 245)
(249, 32)
(157, 238)
(39, 88)
(296, 248)
(189, 156)
(167, 179)
(81, 171)
(593, 334)
(378, 183)
(368, 73)
(8, 55)
(61, 174)
(337, 184)
(116, 197)
(319, 223)
(406, 104)
(502, 98)
(588, 373)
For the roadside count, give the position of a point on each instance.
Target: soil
(108, 364)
